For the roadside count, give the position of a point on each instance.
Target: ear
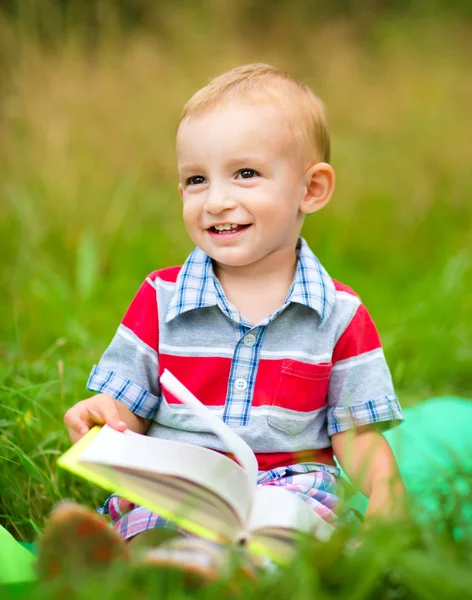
(180, 190)
(319, 180)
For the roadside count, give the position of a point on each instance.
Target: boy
(252, 324)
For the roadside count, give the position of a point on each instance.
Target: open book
(203, 491)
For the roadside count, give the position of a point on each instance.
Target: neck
(259, 289)
(276, 269)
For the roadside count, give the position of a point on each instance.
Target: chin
(232, 259)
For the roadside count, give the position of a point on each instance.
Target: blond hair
(259, 82)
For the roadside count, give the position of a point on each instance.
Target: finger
(77, 420)
(74, 436)
(77, 423)
(108, 413)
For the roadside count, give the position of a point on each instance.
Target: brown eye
(247, 173)
(195, 180)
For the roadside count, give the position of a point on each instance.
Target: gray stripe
(361, 383)
(296, 332)
(171, 423)
(131, 359)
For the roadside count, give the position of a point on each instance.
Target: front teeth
(226, 227)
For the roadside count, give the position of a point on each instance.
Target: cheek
(191, 223)
(189, 212)
(280, 204)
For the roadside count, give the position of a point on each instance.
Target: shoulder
(356, 330)
(167, 275)
(156, 284)
(349, 314)
(347, 302)
(155, 289)
(342, 288)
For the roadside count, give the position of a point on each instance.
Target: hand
(388, 500)
(98, 410)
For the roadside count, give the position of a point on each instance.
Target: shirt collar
(198, 287)
(312, 286)
(195, 286)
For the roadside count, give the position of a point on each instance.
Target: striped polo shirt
(313, 368)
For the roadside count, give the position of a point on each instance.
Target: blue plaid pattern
(287, 473)
(195, 286)
(198, 287)
(245, 362)
(136, 398)
(384, 409)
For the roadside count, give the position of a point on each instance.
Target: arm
(361, 403)
(367, 459)
(126, 378)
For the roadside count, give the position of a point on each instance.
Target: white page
(208, 468)
(235, 444)
(177, 496)
(276, 508)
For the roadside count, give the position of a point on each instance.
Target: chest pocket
(301, 390)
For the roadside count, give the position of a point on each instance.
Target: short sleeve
(360, 388)
(128, 370)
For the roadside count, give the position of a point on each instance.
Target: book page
(194, 508)
(147, 457)
(280, 511)
(235, 444)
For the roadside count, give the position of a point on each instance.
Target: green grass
(89, 207)
(394, 561)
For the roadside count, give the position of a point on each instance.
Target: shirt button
(249, 339)
(240, 384)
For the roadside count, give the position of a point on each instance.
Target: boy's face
(241, 165)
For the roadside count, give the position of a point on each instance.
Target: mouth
(227, 229)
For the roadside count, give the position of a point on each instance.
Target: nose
(218, 200)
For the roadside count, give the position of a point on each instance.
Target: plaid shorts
(315, 484)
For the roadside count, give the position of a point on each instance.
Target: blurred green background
(90, 99)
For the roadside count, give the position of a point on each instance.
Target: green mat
(17, 564)
(433, 449)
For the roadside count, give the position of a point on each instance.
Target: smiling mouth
(229, 230)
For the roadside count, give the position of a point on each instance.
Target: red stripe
(360, 336)
(267, 461)
(284, 383)
(168, 274)
(141, 316)
(292, 384)
(206, 377)
(272, 460)
(341, 287)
